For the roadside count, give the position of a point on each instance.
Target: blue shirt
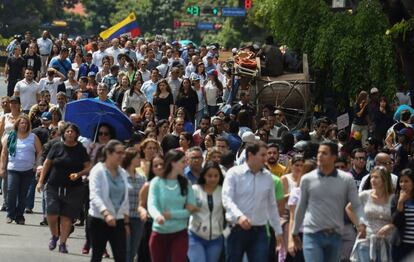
(189, 175)
(84, 69)
(116, 189)
(149, 88)
(62, 66)
(108, 100)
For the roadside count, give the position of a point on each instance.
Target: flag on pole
(128, 26)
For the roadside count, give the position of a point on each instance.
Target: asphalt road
(29, 242)
(3, 85)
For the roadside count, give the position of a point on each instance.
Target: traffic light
(210, 10)
(177, 24)
(193, 10)
(247, 4)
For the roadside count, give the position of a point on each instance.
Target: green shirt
(165, 195)
(278, 187)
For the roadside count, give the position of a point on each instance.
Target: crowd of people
(204, 175)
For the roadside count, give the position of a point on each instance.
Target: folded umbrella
(89, 113)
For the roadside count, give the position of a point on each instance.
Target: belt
(328, 231)
(44, 55)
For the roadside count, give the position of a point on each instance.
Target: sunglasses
(103, 133)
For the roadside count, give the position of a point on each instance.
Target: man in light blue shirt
(149, 87)
(249, 200)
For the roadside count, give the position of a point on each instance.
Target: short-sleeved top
(62, 66)
(51, 86)
(27, 92)
(162, 106)
(16, 65)
(66, 160)
(360, 120)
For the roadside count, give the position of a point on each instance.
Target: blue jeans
(322, 247)
(31, 194)
(17, 188)
(254, 242)
(201, 250)
(133, 240)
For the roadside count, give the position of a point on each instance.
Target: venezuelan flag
(128, 26)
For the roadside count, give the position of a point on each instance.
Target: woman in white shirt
(214, 92)
(134, 97)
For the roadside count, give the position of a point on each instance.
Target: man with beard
(201, 132)
(273, 164)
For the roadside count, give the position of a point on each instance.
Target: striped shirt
(134, 186)
(408, 236)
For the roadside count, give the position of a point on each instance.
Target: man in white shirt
(51, 82)
(250, 203)
(149, 87)
(98, 55)
(45, 48)
(191, 68)
(145, 73)
(28, 90)
(114, 50)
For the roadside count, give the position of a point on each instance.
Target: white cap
(234, 50)
(249, 137)
(374, 90)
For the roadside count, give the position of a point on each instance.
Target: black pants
(10, 86)
(101, 233)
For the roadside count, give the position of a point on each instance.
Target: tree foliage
(348, 51)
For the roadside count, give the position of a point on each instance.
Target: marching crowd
(204, 176)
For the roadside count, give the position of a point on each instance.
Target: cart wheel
(288, 98)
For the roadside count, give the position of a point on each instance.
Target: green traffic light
(215, 11)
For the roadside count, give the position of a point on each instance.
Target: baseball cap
(194, 77)
(374, 90)
(47, 116)
(249, 137)
(212, 72)
(210, 55)
(91, 73)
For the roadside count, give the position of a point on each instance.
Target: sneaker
(9, 220)
(20, 221)
(85, 249)
(43, 222)
(52, 242)
(62, 248)
(105, 254)
(79, 223)
(29, 211)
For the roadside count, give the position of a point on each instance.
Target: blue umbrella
(89, 113)
(400, 109)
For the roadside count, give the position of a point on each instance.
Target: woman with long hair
(378, 217)
(156, 170)
(360, 122)
(134, 97)
(289, 182)
(8, 119)
(186, 141)
(163, 101)
(56, 116)
(130, 163)
(162, 129)
(201, 73)
(181, 112)
(117, 94)
(383, 119)
(403, 216)
(170, 200)
(187, 98)
(109, 203)
(21, 151)
(214, 92)
(207, 143)
(293, 254)
(35, 115)
(66, 163)
(206, 226)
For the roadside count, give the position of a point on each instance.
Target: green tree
(348, 51)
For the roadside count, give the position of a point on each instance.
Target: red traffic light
(177, 24)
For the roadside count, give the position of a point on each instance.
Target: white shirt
(45, 46)
(251, 195)
(114, 53)
(27, 92)
(51, 86)
(97, 58)
(211, 93)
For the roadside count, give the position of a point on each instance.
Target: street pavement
(29, 242)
